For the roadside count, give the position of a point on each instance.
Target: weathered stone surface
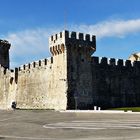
(44, 86)
(4, 88)
(4, 53)
(70, 79)
(116, 85)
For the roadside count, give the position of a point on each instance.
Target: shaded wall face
(4, 57)
(79, 48)
(104, 84)
(79, 77)
(115, 85)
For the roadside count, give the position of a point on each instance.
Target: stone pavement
(52, 125)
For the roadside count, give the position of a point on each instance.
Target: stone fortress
(71, 79)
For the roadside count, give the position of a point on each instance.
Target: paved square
(52, 125)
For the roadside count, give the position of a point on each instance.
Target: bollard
(95, 107)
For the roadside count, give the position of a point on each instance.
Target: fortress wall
(115, 82)
(40, 85)
(12, 87)
(4, 87)
(71, 79)
(32, 84)
(4, 53)
(79, 78)
(79, 49)
(58, 83)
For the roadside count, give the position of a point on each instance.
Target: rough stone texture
(4, 74)
(4, 53)
(79, 52)
(115, 85)
(42, 86)
(4, 88)
(71, 78)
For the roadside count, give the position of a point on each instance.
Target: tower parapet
(59, 42)
(4, 53)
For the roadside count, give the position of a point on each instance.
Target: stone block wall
(4, 53)
(4, 88)
(79, 49)
(115, 83)
(42, 85)
(70, 79)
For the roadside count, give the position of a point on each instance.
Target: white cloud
(113, 28)
(30, 45)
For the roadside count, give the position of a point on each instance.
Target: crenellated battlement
(113, 62)
(4, 53)
(70, 79)
(59, 42)
(4, 70)
(36, 64)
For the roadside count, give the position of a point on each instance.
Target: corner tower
(79, 47)
(4, 53)
(72, 54)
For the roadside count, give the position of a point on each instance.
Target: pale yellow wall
(43, 87)
(4, 88)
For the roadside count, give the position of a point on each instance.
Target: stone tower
(4, 53)
(73, 52)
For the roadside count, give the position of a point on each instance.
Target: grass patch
(134, 109)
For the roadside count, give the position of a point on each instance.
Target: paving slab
(54, 125)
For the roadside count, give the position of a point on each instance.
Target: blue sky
(27, 24)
